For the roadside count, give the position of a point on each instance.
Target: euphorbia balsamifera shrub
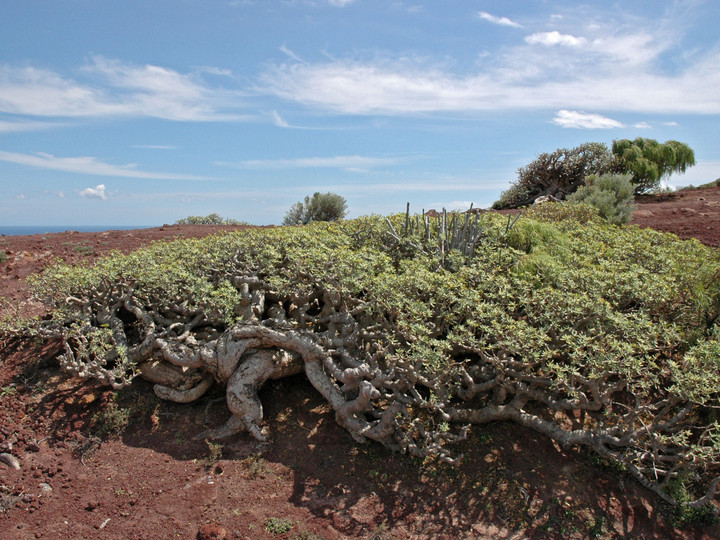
(597, 336)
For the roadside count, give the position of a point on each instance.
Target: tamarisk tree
(595, 336)
(650, 161)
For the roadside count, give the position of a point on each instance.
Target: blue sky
(142, 112)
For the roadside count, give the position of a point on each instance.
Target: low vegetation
(414, 329)
(319, 207)
(610, 194)
(211, 219)
(564, 171)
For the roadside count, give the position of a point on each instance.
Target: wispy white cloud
(340, 3)
(98, 192)
(89, 165)
(582, 120)
(20, 196)
(334, 162)
(290, 54)
(113, 88)
(25, 125)
(555, 38)
(603, 66)
(502, 21)
(155, 146)
(278, 120)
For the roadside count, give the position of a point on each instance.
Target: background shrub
(212, 219)
(564, 212)
(649, 161)
(558, 174)
(319, 207)
(611, 194)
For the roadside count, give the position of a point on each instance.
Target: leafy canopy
(611, 194)
(558, 174)
(591, 334)
(650, 161)
(319, 207)
(564, 171)
(211, 219)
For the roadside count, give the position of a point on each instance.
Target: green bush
(594, 335)
(714, 183)
(212, 219)
(558, 174)
(559, 213)
(319, 207)
(649, 161)
(611, 194)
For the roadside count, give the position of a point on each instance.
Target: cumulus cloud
(555, 38)
(581, 120)
(502, 21)
(98, 192)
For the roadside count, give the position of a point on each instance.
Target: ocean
(16, 230)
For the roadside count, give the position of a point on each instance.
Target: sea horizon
(27, 230)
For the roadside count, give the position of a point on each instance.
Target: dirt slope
(154, 481)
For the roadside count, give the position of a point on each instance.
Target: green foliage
(610, 194)
(558, 174)
(212, 219)
(650, 161)
(576, 307)
(713, 184)
(215, 452)
(111, 421)
(319, 207)
(562, 214)
(124, 407)
(277, 526)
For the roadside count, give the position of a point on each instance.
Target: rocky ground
(97, 465)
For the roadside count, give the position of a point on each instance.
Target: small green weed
(8, 390)
(84, 250)
(304, 534)
(683, 516)
(277, 526)
(598, 527)
(256, 466)
(215, 451)
(111, 421)
(126, 405)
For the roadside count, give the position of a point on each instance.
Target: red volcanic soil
(152, 480)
